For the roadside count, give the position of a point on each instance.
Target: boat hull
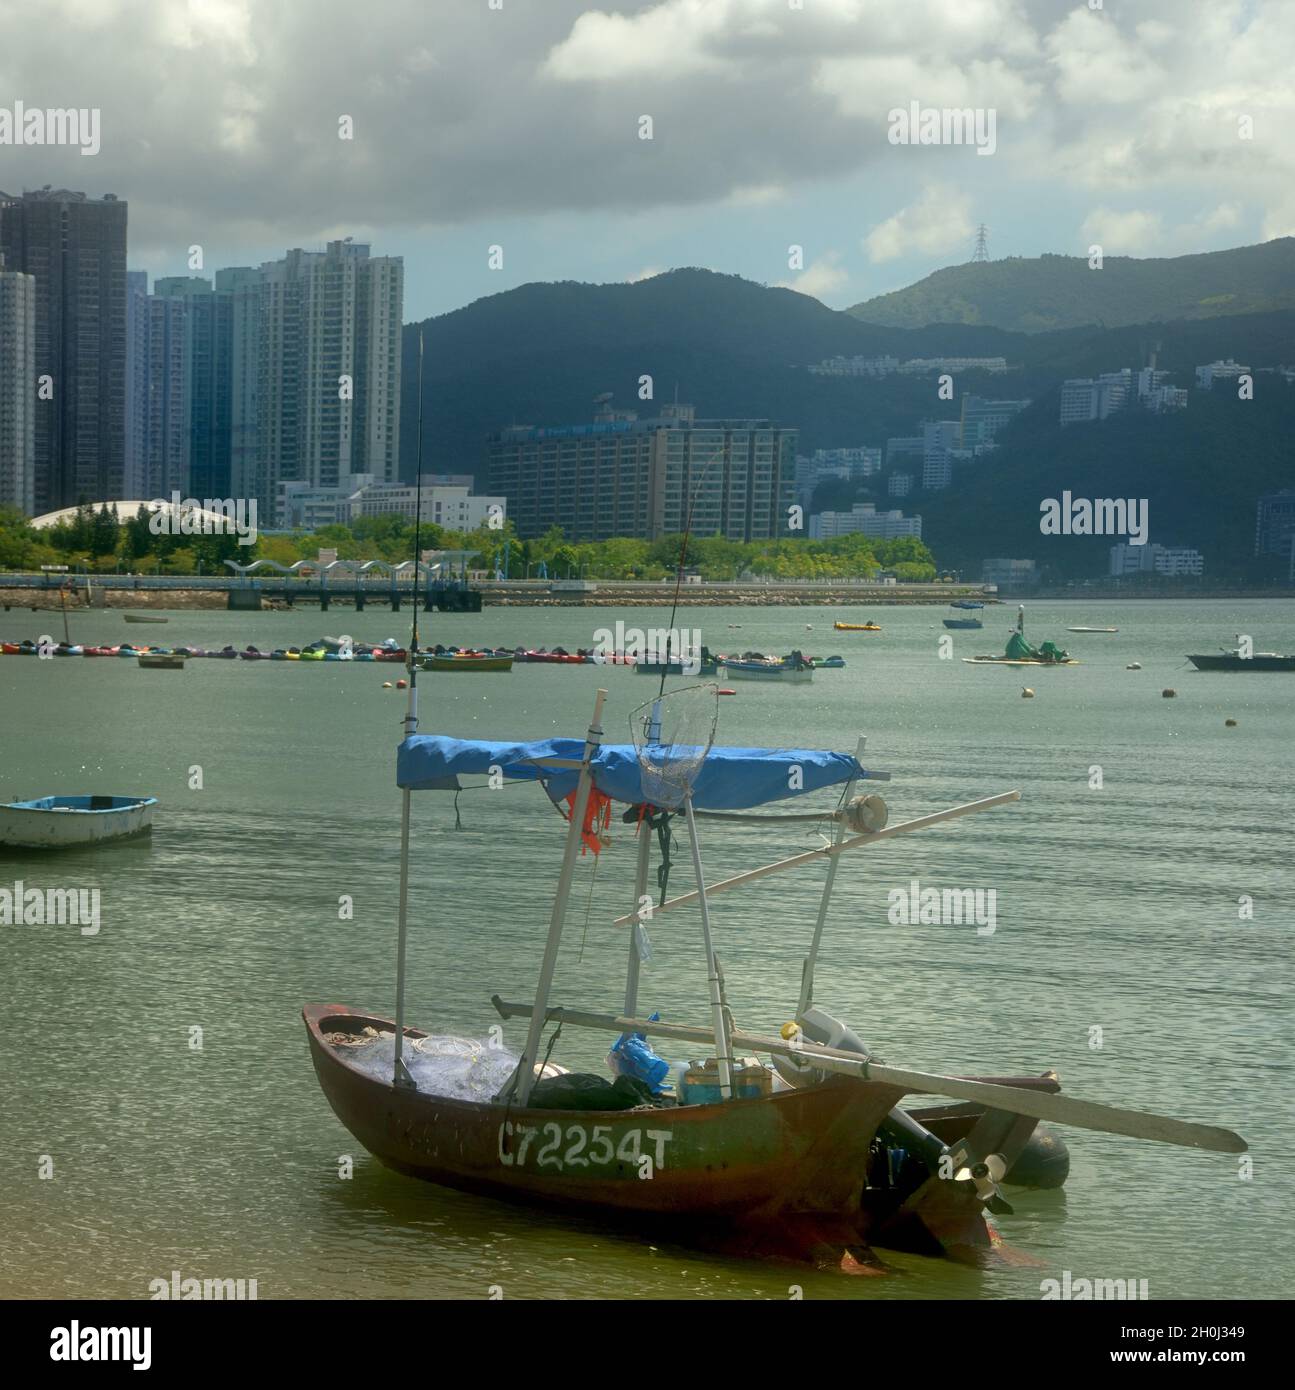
(789, 675)
(1261, 661)
(468, 663)
(34, 825)
(771, 1160)
(1015, 661)
(963, 624)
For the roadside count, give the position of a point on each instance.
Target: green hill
(539, 354)
(1048, 292)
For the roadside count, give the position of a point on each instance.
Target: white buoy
(1027, 692)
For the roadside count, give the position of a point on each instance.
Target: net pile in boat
(672, 735)
(442, 1065)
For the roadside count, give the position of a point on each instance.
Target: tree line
(97, 539)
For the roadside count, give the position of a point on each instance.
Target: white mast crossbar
(810, 856)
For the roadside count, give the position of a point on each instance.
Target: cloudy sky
(518, 123)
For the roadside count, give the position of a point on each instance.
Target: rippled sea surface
(1119, 908)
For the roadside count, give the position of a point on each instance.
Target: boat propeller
(985, 1174)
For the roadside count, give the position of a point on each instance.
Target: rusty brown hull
(795, 1154)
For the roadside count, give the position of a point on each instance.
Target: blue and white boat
(791, 670)
(969, 607)
(59, 822)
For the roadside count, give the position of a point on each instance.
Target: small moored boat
(467, 661)
(162, 661)
(145, 618)
(856, 627)
(794, 669)
(969, 622)
(1234, 660)
(57, 822)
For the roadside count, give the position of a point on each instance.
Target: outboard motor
(898, 1130)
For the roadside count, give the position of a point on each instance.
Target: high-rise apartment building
(939, 440)
(620, 476)
(243, 286)
(209, 378)
(327, 386)
(75, 249)
(17, 389)
(158, 361)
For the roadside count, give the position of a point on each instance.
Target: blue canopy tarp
(732, 779)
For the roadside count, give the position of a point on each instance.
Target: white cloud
(939, 222)
(821, 277)
(220, 116)
(1131, 233)
(1142, 232)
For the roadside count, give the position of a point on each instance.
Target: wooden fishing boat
(822, 1162)
(61, 822)
(162, 661)
(856, 627)
(467, 661)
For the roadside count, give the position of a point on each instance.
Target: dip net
(672, 735)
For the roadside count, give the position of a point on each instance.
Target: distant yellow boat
(856, 627)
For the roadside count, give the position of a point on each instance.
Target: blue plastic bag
(631, 1055)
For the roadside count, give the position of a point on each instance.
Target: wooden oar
(1066, 1110)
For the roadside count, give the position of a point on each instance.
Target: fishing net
(672, 735)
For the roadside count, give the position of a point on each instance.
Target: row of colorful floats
(751, 665)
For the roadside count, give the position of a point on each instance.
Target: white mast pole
(640, 892)
(807, 974)
(526, 1067)
(400, 1073)
(723, 1047)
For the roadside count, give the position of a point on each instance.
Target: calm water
(1116, 908)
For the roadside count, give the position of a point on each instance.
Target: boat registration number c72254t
(580, 1146)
